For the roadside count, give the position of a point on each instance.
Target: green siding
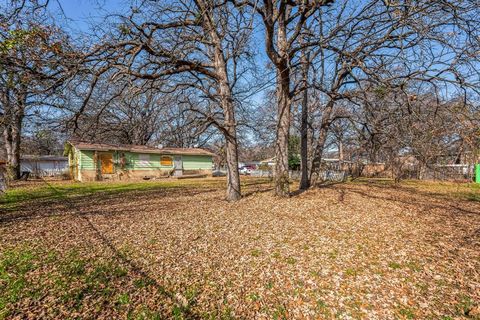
(138, 161)
(86, 160)
(197, 162)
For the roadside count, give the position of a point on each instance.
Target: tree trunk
(233, 177)
(305, 179)
(230, 127)
(282, 187)
(3, 180)
(16, 140)
(340, 150)
(322, 138)
(7, 128)
(7, 139)
(13, 119)
(317, 158)
(422, 168)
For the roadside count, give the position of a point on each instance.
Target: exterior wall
(140, 174)
(43, 165)
(86, 160)
(144, 161)
(86, 165)
(203, 163)
(86, 175)
(136, 165)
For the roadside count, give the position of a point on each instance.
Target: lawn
(367, 249)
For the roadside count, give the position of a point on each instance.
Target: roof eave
(147, 151)
(78, 146)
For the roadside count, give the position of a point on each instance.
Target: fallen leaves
(377, 253)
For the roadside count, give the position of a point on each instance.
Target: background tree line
(372, 79)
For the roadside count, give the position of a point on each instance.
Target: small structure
(100, 161)
(44, 166)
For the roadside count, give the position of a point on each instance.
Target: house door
(178, 165)
(106, 163)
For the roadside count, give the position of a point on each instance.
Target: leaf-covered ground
(158, 250)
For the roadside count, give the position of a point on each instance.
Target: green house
(99, 161)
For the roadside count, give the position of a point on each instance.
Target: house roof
(139, 149)
(272, 159)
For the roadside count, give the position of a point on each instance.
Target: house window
(144, 157)
(166, 161)
(143, 160)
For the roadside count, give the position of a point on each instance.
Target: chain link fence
(340, 171)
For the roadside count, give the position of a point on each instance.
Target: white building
(44, 166)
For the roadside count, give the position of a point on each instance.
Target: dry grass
(368, 250)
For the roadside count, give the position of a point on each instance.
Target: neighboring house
(44, 166)
(98, 161)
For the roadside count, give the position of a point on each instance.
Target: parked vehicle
(245, 170)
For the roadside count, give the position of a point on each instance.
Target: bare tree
(389, 44)
(127, 114)
(283, 23)
(196, 45)
(35, 59)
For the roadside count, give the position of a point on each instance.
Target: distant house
(268, 162)
(98, 161)
(44, 166)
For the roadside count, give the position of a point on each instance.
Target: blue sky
(81, 15)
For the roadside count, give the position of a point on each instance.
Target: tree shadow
(418, 198)
(253, 192)
(297, 192)
(57, 206)
(318, 185)
(72, 205)
(449, 209)
(137, 270)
